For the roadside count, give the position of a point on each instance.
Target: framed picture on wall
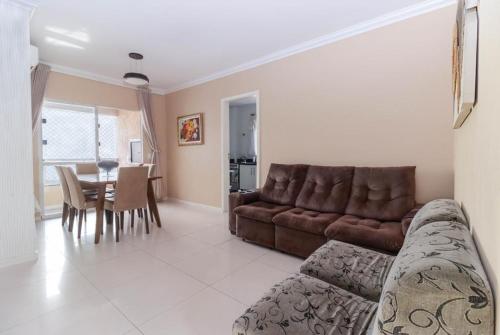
(190, 129)
(465, 51)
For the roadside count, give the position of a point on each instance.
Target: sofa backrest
(437, 210)
(437, 284)
(382, 193)
(326, 189)
(283, 183)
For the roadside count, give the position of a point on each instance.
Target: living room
(368, 116)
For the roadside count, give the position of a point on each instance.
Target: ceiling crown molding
(357, 29)
(96, 77)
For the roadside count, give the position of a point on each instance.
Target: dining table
(100, 182)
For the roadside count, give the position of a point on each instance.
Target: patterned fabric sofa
(436, 285)
(301, 207)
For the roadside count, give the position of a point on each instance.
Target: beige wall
(382, 98)
(70, 89)
(129, 128)
(477, 148)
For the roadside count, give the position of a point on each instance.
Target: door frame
(224, 107)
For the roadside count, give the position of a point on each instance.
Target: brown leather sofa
(300, 207)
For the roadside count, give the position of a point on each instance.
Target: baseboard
(19, 259)
(191, 203)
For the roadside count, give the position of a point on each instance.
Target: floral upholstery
(303, 305)
(355, 269)
(437, 286)
(438, 210)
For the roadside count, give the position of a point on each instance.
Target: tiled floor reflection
(189, 277)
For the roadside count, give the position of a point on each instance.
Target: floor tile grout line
(205, 286)
(111, 303)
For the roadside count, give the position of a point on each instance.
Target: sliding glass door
(72, 134)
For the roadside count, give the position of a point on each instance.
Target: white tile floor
(189, 277)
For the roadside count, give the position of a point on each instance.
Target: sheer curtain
(39, 77)
(144, 102)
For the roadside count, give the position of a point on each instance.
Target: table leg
(152, 203)
(101, 193)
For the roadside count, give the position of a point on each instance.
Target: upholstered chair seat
(370, 233)
(305, 220)
(260, 211)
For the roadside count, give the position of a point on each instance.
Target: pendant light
(136, 78)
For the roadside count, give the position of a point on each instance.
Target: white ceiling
(186, 40)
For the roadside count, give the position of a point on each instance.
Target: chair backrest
(382, 193)
(151, 168)
(283, 183)
(64, 184)
(87, 168)
(131, 188)
(75, 189)
(326, 189)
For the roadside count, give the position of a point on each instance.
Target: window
(72, 134)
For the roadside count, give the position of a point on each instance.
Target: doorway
(240, 144)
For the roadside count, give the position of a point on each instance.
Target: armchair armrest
(350, 267)
(237, 199)
(408, 218)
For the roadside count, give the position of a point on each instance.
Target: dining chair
(151, 170)
(66, 195)
(87, 168)
(79, 200)
(131, 193)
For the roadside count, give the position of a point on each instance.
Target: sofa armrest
(350, 267)
(408, 218)
(237, 199)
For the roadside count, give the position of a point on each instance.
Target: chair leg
(109, 217)
(117, 227)
(151, 216)
(85, 214)
(146, 221)
(139, 213)
(80, 219)
(65, 213)
(122, 219)
(132, 214)
(72, 213)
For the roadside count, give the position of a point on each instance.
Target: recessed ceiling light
(77, 35)
(62, 43)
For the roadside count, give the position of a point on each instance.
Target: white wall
(17, 227)
(241, 136)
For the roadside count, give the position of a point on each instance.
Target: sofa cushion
(385, 194)
(283, 183)
(260, 211)
(305, 220)
(438, 210)
(370, 233)
(326, 189)
(355, 269)
(305, 305)
(437, 285)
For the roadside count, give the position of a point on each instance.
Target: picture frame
(190, 129)
(465, 56)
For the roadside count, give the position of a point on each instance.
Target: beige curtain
(39, 77)
(144, 102)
